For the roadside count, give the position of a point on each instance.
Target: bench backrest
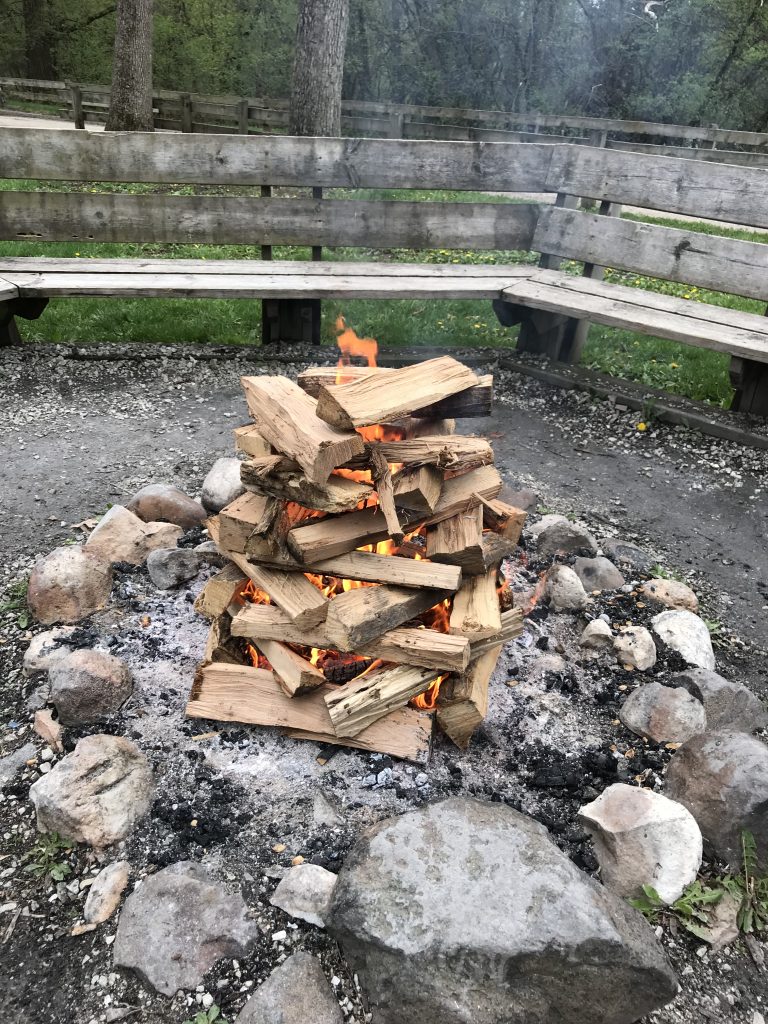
(679, 188)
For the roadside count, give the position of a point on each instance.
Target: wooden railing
(191, 112)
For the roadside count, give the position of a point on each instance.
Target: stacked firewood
(362, 596)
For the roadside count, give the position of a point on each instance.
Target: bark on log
(318, 67)
(130, 104)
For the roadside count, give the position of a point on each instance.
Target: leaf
(652, 896)
(213, 1013)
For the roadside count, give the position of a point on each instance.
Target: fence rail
(192, 112)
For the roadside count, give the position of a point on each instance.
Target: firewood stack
(362, 596)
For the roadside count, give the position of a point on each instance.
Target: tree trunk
(318, 67)
(130, 107)
(38, 46)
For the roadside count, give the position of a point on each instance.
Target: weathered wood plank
(400, 572)
(459, 541)
(693, 257)
(362, 615)
(87, 217)
(8, 290)
(363, 701)
(280, 477)
(512, 625)
(230, 693)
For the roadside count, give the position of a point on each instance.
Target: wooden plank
(400, 572)
(229, 693)
(382, 398)
(417, 488)
(217, 220)
(476, 613)
(458, 541)
(464, 705)
(287, 418)
(358, 704)
(690, 326)
(53, 155)
(693, 257)
(280, 477)
(360, 616)
(295, 674)
(249, 440)
(7, 290)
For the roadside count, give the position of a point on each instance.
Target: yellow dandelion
(642, 426)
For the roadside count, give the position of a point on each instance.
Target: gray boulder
(565, 538)
(466, 911)
(664, 714)
(722, 778)
(89, 686)
(598, 574)
(564, 591)
(628, 557)
(306, 893)
(728, 706)
(47, 648)
(176, 924)
(167, 504)
(12, 763)
(97, 793)
(534, 530)
(687, 635)
(170, 567)
(597, 636)
(68, 584)
(296, 992)
(121, 536)
(222, 484)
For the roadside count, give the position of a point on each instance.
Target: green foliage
(17, 602)
(48, 857)
(207, 1016)
(749, 889)
(661, 573)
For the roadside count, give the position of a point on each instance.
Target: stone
(306, 892)
(12, 763)
(47, 648)
(121, 536)
(49, 730)
(167, 504)
(96, 794)
(565, 538)
(687, 635)
(722, 778)
(564, 591)
(663, 714)
(105, 892)
(210, 554)
(523, 498)
(628, 556)
(170, 567)
(643, 838)
(670, 593)
(598, 574)
(728, 706)
(597, 636)
(296, 992)
(177, 924)
(536, 529)
(634, 646)
(325, 812)
(68, 584)
(89, 686)
(466, 911)
(222, 484)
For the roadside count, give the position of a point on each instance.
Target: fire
(427, 701)
(250, 592)
(537, 594)
(351, 345)
(439, 617)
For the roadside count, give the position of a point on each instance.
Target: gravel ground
(79, 433)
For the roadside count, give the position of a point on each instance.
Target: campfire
(362, 597)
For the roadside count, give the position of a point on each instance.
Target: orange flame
(427, 701)
(351, 345)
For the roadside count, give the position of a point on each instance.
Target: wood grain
(476, 613)
(360, 616)
(363, 701)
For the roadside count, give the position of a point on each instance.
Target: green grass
(696, 373)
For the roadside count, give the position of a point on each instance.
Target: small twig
(10, 929)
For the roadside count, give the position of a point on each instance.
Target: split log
(292, 592)
(263, 549)
(357, 705)
(464, 492)
(238, 693)
(512, 625)
(418, 489)
(476, 612)
(279, 477)
(459, 541)
(217, 594)
(287, 419)
(385, 490)
(249, 516)
(459, 451)
(361, 615)
(248, 439)
(403, 646)
(503, 518)
(381, 398)
(221, 645)
(295, 674)
(414, 427)
(401, 572)
(474, 401)
(463, 700)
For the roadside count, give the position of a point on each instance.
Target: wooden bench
(552, 307)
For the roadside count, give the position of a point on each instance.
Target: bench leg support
(290, 321)
(28, 309)
(750, 380)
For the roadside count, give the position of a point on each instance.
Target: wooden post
(395, 130)
(749, 380)
(28, 309)
(242, 117)
(185, 101)
(78, 116)
(293, 321)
